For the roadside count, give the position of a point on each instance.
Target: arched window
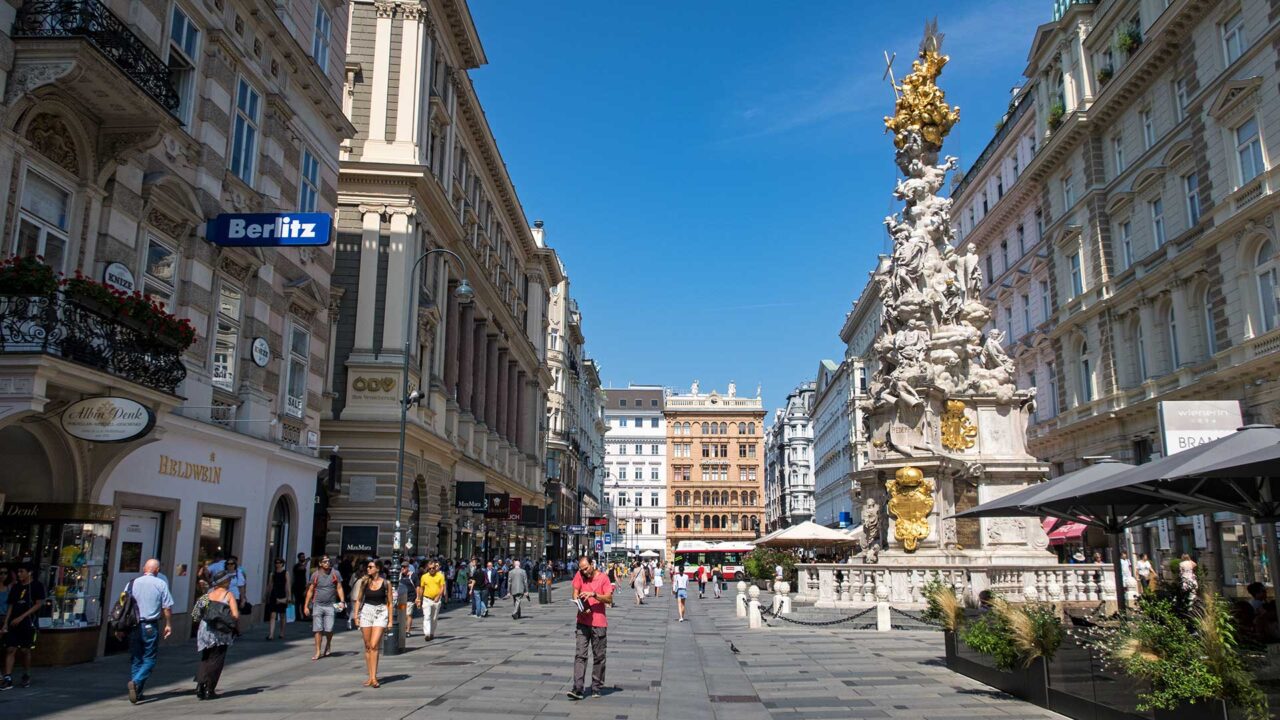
(715, 522)
(706, 521)
(751, 428)
(1172, 323)
(1140, 349)
(705, 431)
(742, 428)
(1268, 276)
(724, 497)
(733, 497)
(724, 428)
(706, 497)
(280, 525)
(1210, 327)
(1086, 374)
(724, 521)
(688, 429)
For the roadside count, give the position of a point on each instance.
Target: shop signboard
(359, 540)
(576, 529)
(470, 496)
(496, 505)
(529, 517)
(269, 229)
(846, 519)
(515, 509)
(260, 351)
(598, 522)
(119, 277)
(107, 419)
(86, 512)
(1198, 532)
(1185, 424)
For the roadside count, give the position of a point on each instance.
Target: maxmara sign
(270, 229)
(107, 419)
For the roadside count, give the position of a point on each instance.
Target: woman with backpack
(373, 608)
(219, 617)
(717, 577)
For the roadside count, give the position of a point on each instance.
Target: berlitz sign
(107, 419)
(269, 229)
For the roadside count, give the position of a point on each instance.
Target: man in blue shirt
(151, 593)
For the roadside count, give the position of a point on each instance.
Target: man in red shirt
(592, 591)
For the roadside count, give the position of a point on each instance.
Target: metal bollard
(741, 601)
(754, 619)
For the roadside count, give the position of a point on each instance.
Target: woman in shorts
(373, 610)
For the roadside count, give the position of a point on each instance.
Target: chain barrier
(766, 614)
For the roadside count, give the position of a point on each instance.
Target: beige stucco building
(715, 466)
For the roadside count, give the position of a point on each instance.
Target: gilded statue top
(921, 106)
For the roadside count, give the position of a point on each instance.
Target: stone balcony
(863, 585)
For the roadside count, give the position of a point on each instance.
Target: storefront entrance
(139, 540)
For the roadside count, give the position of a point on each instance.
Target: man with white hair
(151, 593)
(518, 585)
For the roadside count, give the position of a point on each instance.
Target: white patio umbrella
(807, 534)
(648, 554)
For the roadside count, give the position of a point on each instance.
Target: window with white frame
(1126, 244)
(160, 272)
(1181, 98)
(653, 473)
(1026, 312)
(1233, 37)
(1068, 193)
(1268, 278)
(1046, 302)
(309, 185)
(1086, 374)
(43, 218)
(653, 527)
(1157, 222)
(1249, 150)
(1148, 129)
(244, 139)
(320, 41)
(227, 337)
(1077, 274)
(1053, 388)
(184, 45)
(1210, 325)
(1140, 347)
(653, 499)
(1191, 186)
(1117, 153)
(1171, 322)
(299, 365)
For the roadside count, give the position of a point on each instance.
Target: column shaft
(491, 384)
(503, 406)
(466, 370)
(366, 297)
(451, 344)
(482, 366)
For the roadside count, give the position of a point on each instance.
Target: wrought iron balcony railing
(93, 21)
(53, 325)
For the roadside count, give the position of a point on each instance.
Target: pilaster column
(466, 371)
(522, 402)
(1146, 318)
(513, 409)
(398, 281)
(381, 71)
(1178, 302)
(499, 419)
(482, 367)
(451, 343)
(1077, 47)
(491, 383)
(366, 295)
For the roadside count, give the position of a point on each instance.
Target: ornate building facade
(788, 451)
(423, 173)
(124, 128)
(715, 466)
(1126, 216)
(635, 467)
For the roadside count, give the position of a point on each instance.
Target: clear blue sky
(714, 174)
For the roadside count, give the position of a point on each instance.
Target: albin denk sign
(107, 419)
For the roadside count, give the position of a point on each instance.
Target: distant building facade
(789, 484)
(635, 467)
(715, 466)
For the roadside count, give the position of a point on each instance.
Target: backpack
(217, 616)
(124, 614)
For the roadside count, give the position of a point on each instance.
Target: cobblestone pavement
(500, 668)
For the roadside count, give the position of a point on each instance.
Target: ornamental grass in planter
(1015, 636)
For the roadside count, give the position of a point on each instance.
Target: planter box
(1030, 684)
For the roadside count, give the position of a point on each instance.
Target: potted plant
(1105, 73)
(1128, 39)
(1056, 112)
(27, 275)
(92, 295)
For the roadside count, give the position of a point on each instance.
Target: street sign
(599, 546)
(608, 538)
(576, 529)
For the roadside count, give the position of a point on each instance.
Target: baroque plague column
(946, 423)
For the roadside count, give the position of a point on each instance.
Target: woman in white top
(657, 580)
(1146, 573)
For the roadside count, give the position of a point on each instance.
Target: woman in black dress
(276, 603)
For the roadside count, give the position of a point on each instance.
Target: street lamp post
(463, 293)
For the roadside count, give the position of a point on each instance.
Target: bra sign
(107, 419)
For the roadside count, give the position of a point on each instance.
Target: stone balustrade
(828, 585)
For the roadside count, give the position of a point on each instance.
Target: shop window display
(69, 560)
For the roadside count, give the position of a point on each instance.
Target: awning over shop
(1064, 532)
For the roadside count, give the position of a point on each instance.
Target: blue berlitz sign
(270, 229)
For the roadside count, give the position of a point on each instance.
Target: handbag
(246, 607)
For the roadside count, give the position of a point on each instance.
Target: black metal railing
(53, 325)
(93, 21)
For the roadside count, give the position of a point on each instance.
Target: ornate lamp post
(464, 294)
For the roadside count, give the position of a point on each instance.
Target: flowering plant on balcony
(137, 309)
(27, 275)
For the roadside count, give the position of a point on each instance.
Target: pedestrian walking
(491, 584)
(431, 595)
(717, 576)
(6, 582)
(373, 608)
(219, 616)
(151, 594)
(299, 586)
(680, 588)
(592, 592)
(324, 599)
(275, 604)
(406, 597)
(518, 585)
(702, 581)
(475, 588)
(657, 581)
(26, 598)
(637, 582)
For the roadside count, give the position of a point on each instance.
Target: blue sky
(714, 174)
